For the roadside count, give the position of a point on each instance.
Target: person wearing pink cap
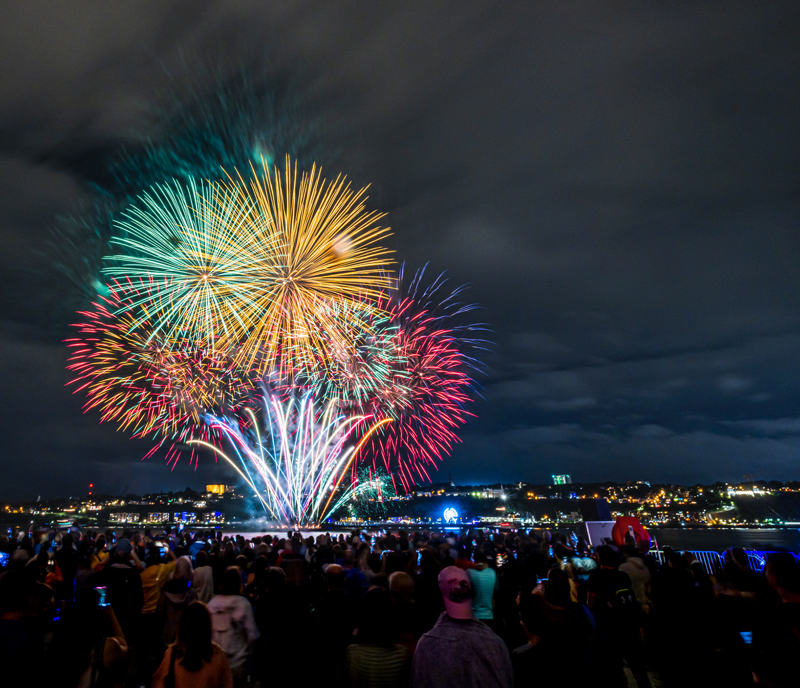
(460, 651)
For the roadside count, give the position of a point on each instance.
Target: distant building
(159, 517)
(562, 480)
(123, 518)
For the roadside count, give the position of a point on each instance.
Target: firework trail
(298, 466)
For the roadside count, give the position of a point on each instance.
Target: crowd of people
(388, 609)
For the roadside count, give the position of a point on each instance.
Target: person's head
(534, 619)
(42, 558)
(376, 618)
(738, 557)
(231, 581)
(276, 579)
(401, 586)
(201, 558)
(606, 556)
(68, 540)
(335, 577)
(630, 551)
(783, 573)
(193, 641)
(123, 549)
(558, 588)
(183, 570)
(479, 556)
(457, 592)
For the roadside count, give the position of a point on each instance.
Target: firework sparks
(357, 354)
(430, 380)
(329, 244)
(142, 381)
(372, 491)
(297, 467)
(211, 258)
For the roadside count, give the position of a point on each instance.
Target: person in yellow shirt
(158, 572)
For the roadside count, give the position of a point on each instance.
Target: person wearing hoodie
(639, 574)
(176, 595)
(203, 578)
(234, 624)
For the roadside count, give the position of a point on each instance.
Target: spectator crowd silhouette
(388, 609)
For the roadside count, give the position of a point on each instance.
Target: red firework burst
(145, 383)
(431, 378)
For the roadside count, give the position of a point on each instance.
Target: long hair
(193, 643)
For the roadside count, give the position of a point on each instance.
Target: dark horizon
(618, 186)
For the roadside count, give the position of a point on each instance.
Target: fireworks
(356, 355)
(270, 294)
(253, 267)
(211, 260)
(297, 467)
(142, 381)
(372, 491)
(430, 381)
(329, 249)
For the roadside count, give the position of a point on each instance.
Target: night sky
(618, 183)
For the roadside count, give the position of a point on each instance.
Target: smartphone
(4, 557)
(747, 636)
(419, 557)
(102, 590)
(501, 559)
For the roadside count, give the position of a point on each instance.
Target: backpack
(226, 631)
(624, 608)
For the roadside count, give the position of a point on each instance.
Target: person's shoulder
(216, 601)
(480, 628)
(523, 650)
(623, 577)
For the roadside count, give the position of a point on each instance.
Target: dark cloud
(618, 184)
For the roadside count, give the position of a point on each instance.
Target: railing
(713, 562)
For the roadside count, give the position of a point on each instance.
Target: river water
(702, 539)
(719, 539)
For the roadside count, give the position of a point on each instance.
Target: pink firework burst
(431, 381)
